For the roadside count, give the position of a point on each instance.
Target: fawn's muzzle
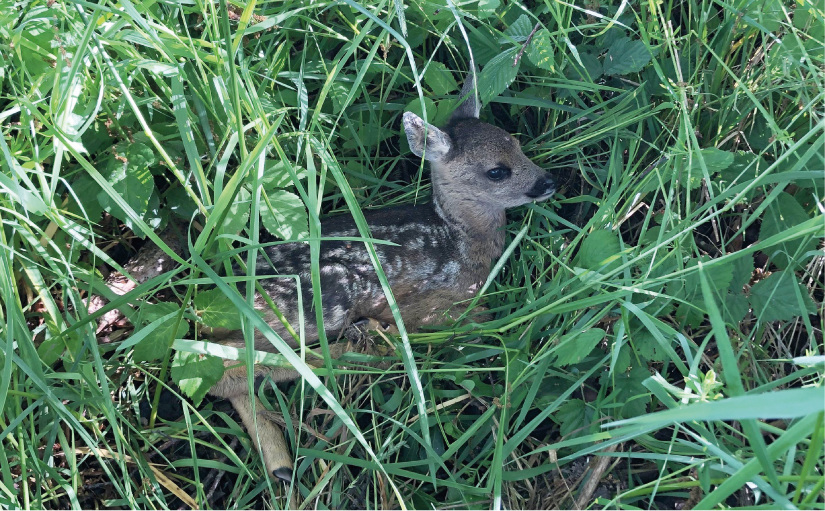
(543, 187)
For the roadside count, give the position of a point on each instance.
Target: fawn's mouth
(543, 196)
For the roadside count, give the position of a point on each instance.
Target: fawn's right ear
(437, 144)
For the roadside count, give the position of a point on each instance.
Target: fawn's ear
(469, 105)
(434, 147)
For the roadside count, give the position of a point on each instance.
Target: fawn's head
(473, 161)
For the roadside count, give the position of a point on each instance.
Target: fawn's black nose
(543, 187)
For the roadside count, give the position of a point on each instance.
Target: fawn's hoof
(283, 473)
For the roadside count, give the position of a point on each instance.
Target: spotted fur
(442, 255)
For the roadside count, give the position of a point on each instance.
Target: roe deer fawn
(443, 254)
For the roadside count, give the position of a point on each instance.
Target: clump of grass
(657, 338)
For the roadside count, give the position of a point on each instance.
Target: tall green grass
(664, 311)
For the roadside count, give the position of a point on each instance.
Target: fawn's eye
(498, 173)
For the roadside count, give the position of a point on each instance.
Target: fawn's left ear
(434, 145)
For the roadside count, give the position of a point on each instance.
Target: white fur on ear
(437, 143)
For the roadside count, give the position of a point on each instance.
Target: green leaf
(238, 213)
(647, 347)
(597, 248)
(573, 416)
(439, 79)
(414, 106)
(737, 307)
(277, 176)
(287, 218)
(131, 178)
(741, 274)
(156, 343)
(629, 392)
(770, 13)
(497, 75)
(487, 8)
(216, 310)
(574, 347)
(781, 215)
(195, 374)
(719, 276)
(54, 346)
(519, 30)
(626, 56)
(540, 51)
(590, 68)
(774, 298)
(715, 160)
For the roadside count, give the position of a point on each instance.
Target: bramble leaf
(195, 373)
(627, 56)
(287, 218)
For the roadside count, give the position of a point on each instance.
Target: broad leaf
(629, 394)
(626, 56)
(286, 215)
(774, 298)
(238, 213)
(131, 178)
(519, 30)
(155, 345)
(216, 310)
(573, 417)
(574, 347)
(540, 51)
(597, 248)
(781, 215)
(647, 347)
(497, 75)
(439, 79)
(195, 374)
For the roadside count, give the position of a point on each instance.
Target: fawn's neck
(480, 226)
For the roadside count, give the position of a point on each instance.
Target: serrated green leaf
(774, 298)
(574, 347)
(737, 307)
(628, 391)
(519, 30)
(715, 160)
(781, 215)
(287, 218)
(156, 343)
(131, 178)
(647, 347)
(719, 275)
(238, 213)
(590, 68)
(414, 106)
(487, 8)
(153, 311)
(439, 79)
(497, 75)
(626, 56)
(741, 274)
(624, 359)
(216, 310)
(573, 417)
(195, 374)
(277, 176)
(540, 51)
(597, 248)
